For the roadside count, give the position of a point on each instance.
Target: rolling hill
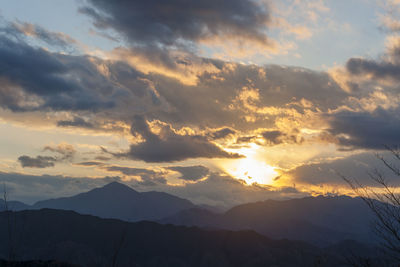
(319, 220)
(91, 241)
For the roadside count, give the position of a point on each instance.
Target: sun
(250, 169)
(253, 171)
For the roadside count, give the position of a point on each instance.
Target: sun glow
(251, 169)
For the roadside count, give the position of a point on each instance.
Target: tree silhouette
(8, 211)
(383, 202)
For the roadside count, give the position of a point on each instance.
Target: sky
(218, 101)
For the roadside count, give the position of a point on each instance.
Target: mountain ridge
(88, 240)
(117, 200)
(320, 220)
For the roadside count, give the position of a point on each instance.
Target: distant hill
(319, 220)
(116, 200)
(36, 263)
(67, 236)
(14, 205)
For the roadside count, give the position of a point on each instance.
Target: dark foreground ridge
(67, 236)
(35, 263)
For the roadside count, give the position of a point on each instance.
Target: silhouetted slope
(195, 217)
(36, 263)
(13, 205)
(320, 220)
(92, 241)
(119, 201)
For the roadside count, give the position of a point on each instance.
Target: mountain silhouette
(116, 200)
(13, 205)
(319, 220)
(91, 241)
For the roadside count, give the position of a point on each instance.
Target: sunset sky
(217, 101)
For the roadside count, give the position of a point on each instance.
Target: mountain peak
(116, 186)
(118, 200)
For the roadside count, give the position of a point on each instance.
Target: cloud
(247, 97)
(148, 177)
(37, 162)
(179, 23)
(191, 173)
(198, 119)
(275, 137)
(384, 68)
(222, 133)
(51, 80)
(102, 158)
(357, 166)
(390, 19)
(245, 139)
(90, 163)
(272, 136)
(301, 32)
(223, 190)
(229, 96)
(369, 119)
(235, 100)
(66, 153)
(379, 70)
(182, 65)
(169, 146)
(362, 129)
(75, 122)
(51, 38)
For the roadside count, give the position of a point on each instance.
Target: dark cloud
(131, 171)
(353, 167)
(50, 80)
(374, 120)
(222, 133)
(75, 122)
(51, 38)
(363, 129)
(245, 139)
(65, 151)
(102, 158)
(90, 163)
(148, 177)
(37, 162)
(34, 69)
(35, 79)
(177, 22)
(275, 137)
(170, 146)
(190, 173)
(272, 136)
(219, 99)
(380, 70)
(387, 66)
